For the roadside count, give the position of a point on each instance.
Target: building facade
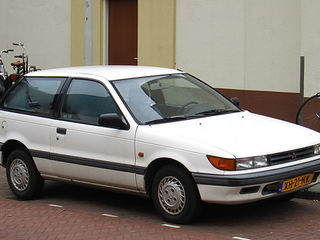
(246, 48)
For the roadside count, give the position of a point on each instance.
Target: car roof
(113, 72)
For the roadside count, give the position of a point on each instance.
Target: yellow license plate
(295, 182)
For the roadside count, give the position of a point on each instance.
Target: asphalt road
(295, 219)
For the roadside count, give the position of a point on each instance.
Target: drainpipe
(301, 80)
(88, 32)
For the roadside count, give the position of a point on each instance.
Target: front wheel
(22, 175)
(175, 195)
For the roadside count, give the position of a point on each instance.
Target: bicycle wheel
(309, 113)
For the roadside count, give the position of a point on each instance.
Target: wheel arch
(10, 146)
(155, 166)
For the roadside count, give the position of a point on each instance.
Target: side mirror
(235, 101)
(112, 120)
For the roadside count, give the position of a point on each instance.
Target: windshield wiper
(196, 115)
(167, 119)
(214, 112)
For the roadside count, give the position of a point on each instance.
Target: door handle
(62, 131)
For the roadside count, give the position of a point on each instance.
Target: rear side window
(86, 100)
(35, 95)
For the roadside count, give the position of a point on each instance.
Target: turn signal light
(223, 163)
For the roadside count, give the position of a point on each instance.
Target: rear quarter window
(34, 95)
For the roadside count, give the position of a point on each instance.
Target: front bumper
(242, 188)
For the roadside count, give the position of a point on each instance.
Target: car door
(84, 151)
(28, 114)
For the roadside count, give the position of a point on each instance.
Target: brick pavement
(28, 220)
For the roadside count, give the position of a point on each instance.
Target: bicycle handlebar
(6, 51)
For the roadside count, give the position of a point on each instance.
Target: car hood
(237, 135)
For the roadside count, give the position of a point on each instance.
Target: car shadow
(247, 214)
(98, 200)
(138, 207)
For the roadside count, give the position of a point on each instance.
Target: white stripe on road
(171, 226)
(240, 238)
(109, 215)
(54, 205)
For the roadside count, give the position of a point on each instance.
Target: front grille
(290, 156)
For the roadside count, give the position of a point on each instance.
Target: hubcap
(171, 195)
(19, 175)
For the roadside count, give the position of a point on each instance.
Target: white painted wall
(42, 25)
(310, 46)
(245, 44)
(272, 45)
(210, 39)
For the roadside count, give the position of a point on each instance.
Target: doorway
(122, 32)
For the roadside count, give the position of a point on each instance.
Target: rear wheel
(23, 176)
(309, 113)
(175, 195)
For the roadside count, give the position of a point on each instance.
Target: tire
(175, 195)
(309, 113)
(22, 175)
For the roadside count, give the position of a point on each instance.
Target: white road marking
(109, 215)
(54, 205)
(240, 238)
(171, 226)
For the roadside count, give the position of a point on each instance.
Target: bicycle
(21, 68)
(3, 72)
(308, 114)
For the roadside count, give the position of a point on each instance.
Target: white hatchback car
(154, 131)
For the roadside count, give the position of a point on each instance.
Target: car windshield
(175, 97)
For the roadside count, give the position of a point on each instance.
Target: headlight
(244, 163)
(252, 162)
(316, 149)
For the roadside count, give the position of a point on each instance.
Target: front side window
(159, 99)
(35, 95)
(86, 100)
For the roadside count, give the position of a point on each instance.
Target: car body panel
(232, 133)
(109, 73)
(93, 146)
